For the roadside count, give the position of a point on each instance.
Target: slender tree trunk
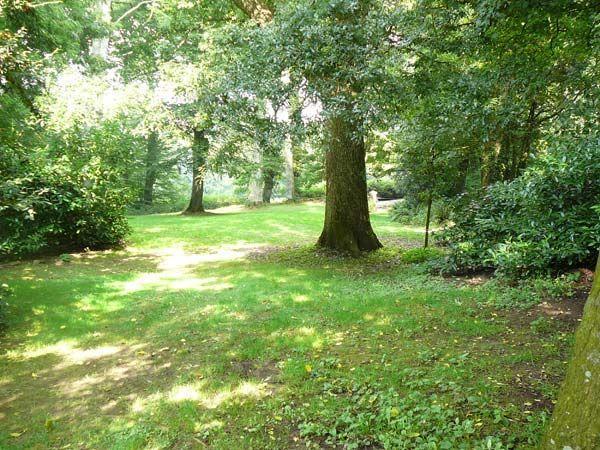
(288, 159)
(347, 225)
(522, 154)
(152, 157)
(428, 219)
(576, 420)
(268, 184)
(199, 151)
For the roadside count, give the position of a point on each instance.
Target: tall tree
(199, 156)
(576, 420)
(334, 50)
(347, 226)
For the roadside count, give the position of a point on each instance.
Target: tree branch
(132, 10)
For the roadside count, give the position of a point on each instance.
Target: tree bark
(428, 219)
(255, 183)
(152, 157)
(288, 159)
(347, 225)
(268, 184)
(575, 423)
(199, 151)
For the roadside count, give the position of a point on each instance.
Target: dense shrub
(214, 201)
(385, 187)
(420, 255)
(316, 190)
(408, 213)
(546, 219)
(55, 208)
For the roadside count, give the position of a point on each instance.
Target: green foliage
(315, 191)
(528, 292)
(214, 201)
(386, 187)
(406, 213)
(420, 255)
(54, 208)
(547, 219)
(428, 413)
(543, 325)
(409, 213)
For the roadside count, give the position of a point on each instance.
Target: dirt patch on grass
(248, 368)
(567, 311)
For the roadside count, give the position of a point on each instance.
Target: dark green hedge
(545, 220)
(56, 209)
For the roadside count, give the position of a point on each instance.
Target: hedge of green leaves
(55, 208)
(547, 219)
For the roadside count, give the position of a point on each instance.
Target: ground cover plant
(231, 330)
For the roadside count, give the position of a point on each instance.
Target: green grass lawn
(230, 331)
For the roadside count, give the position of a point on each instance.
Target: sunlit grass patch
(234, 331)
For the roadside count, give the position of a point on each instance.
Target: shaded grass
(190, 338)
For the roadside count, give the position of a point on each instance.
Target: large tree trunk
(576, 420)
(347, 226)
(152, 156)
(268, 184)
(199, 151)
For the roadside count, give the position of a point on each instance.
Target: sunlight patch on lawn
(163, 281)
(210, 426)
(176, 269)
(72, 354)
(301, 298)
(197, 393)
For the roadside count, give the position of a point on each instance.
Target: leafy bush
(213, 201)
(385, 187)
(546, 219)
(54, 208)
(408, 213)
(420, 255)
(528, 292)
(316, 190)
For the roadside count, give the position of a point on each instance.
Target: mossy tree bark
(152, 157)
(199, 152)
(347, 225)
(575, 423)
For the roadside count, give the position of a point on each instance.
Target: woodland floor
(230, 331)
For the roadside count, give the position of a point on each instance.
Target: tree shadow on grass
(96, 335)
(177, 349)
